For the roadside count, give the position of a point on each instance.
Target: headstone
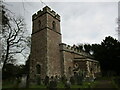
(67, 84)
(46, 81)
(23, 81)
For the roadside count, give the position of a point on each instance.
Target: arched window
(54, 25)
(38, 69)
(39, 24)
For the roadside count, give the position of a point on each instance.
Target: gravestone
(23, 81)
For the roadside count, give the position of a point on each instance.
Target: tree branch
(12, 43)
(16, 32)
(17, 51)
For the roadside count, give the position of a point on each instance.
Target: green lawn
(8, 84)
(38, 86)
(61, 85)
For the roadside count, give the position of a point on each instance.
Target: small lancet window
(39, 24)
(38, 69)
(54, 25)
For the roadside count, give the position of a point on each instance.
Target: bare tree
(14, 37)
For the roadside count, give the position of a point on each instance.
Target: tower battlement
(73, 49)
(57, 58)
(46, 10)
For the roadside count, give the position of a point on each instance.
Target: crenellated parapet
(46, 10)
(73, 49)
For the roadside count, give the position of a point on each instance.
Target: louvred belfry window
(54, 25)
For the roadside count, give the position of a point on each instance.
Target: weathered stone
(53, 56)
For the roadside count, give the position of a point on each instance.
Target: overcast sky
(81, 22)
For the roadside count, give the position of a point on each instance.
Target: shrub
(117, 81)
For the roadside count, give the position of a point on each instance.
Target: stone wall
(73, 49)
(53, 53)
(54, 57)
(93, 68)
(72, 57)
(39, 53)
(53, 41)
(45, 50)
(68, 62)
(44, 11)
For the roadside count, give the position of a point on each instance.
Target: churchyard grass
(61, 85)
(8, 84)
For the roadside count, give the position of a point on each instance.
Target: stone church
(49, 56)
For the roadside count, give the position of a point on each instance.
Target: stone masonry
(49, 56)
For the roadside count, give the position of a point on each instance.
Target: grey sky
(119, 21)
(81, 22)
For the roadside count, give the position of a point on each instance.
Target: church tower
(45, 50)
